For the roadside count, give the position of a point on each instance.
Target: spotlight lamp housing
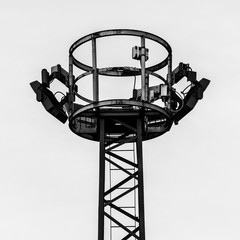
(193, 95)
(49, 102)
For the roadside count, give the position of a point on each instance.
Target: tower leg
(140, 180)
(101, 181)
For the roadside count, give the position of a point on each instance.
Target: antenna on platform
(121, 125)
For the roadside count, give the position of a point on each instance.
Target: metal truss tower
(122, 203)
(121, 125)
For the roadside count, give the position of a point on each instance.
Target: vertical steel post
(95, 73)
(143, 72)
(140, 180)
(101, 181)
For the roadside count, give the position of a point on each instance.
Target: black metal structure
(128, 217)
(121, 125)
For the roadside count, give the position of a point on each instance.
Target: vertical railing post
(143, 68)
(95, 72)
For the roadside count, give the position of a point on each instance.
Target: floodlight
(50, 103)
(191, 99)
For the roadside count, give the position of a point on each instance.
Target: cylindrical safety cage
(84, 119)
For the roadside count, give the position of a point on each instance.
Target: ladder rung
(121, 227)
(123, 150)
(128, 207)
(129, 169)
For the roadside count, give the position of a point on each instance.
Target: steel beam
(101, 181)
(140, 179)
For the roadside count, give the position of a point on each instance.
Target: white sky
(49, 176)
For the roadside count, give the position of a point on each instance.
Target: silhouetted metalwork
(121, 125)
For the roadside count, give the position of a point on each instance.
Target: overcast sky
(49, 176)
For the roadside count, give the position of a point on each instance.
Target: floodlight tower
(121, 125)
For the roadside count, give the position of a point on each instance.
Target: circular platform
(120, 119)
